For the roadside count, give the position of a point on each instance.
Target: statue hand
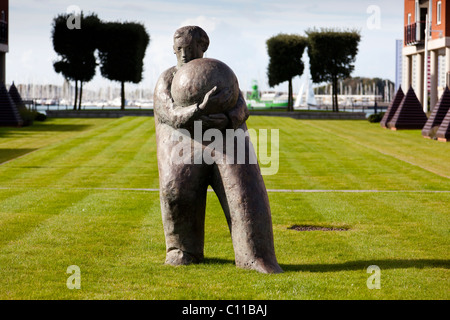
(206, 99)
(213, 99)
(216, 121)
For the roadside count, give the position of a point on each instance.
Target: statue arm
(165, 109)
(239, 113)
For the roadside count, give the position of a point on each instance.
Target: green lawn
(81, 192)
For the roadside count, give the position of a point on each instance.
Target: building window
(409, 19)
(438, 12)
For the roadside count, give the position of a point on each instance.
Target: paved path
(210, 190)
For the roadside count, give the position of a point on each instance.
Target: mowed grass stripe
(389, 234)
(94, 153)
(141, 168)
(391, 228)
(93, 169)
(118, 241)
(51, 145)
(20, 221)
(368, 169)
(313, 169)
(406, 145)
(82, 157)
(315, 252)
(295, 247)
(17, 169)
(45, 133)
(314, 159)
(140, 265)
(295, 170)
(92, 233)
(21, 213)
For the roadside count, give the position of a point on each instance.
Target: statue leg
(243, 196)
(244, 199)
(183, 200)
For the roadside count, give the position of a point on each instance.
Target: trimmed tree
(76, 48)
(332, 54)
(122, 49)
(285, 53)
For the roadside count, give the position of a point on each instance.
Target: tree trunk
(290, 99)
(335, 95)
(122, 94)
(81, 95)
(76, 95)
(332, 94)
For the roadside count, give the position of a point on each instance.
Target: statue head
(189, 43)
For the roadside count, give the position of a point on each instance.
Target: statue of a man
(183, 186)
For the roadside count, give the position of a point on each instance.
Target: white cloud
(207, 24)
(26, 59)
(238, 30)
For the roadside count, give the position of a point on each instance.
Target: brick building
(416, 13)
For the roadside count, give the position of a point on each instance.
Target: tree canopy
(122, 49)
(76, 49)
(285, 53)
(332, 54)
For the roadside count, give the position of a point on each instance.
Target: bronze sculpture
(183, 186)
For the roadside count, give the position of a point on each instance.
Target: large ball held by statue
(197, 77)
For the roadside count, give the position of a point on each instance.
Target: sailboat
(305, 97)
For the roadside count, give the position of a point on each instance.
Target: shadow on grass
(353, 265)
(363, 264)
(217, 261)
(45, 127)
(9, 154)
(63, 127)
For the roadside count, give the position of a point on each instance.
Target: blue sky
(238, 30)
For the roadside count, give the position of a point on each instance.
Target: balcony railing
(3, 32)
(415, 33)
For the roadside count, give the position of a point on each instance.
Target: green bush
(40, 116)
(376, 117)
(29, 116)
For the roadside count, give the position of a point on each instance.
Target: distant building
(3, 37)
(438, 64)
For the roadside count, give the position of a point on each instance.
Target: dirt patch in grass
(297, 227)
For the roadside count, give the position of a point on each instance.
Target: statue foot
(260, 265)
(177, 257)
